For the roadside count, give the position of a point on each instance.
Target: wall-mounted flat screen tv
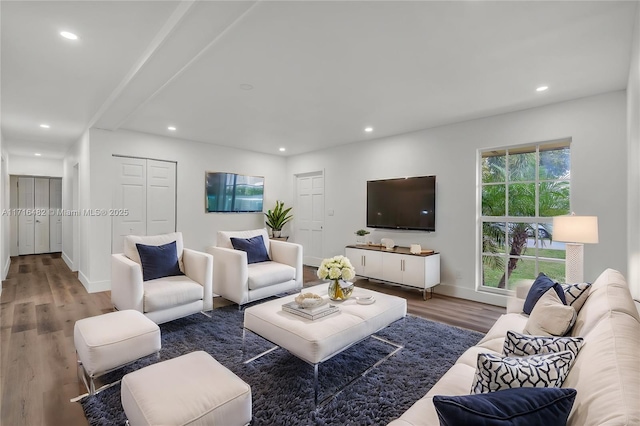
(404, 203)
(233, 193)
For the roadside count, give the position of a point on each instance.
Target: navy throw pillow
(540, 287)
(509, 407)
(254, 246)
(159, 261)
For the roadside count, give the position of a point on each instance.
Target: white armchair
(162, 299)
(236, 280)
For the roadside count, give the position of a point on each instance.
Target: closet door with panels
(26, 219)
(41, 199)
(55, 219)
(38, 230)
(144, 199)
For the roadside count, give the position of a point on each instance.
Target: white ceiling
(320, 71)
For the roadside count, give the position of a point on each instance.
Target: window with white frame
(522, 188)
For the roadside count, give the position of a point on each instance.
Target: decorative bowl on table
(308, 300)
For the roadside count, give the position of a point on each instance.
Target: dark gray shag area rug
(282, 385)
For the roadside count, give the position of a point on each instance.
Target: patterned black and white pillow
(494, 373)
(576, 294)
(517, 344)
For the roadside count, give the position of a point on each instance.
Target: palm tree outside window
(522, 188)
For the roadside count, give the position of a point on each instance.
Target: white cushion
(107, 341)
(192, 389)
(224, 237)
(265, 274)
(131, 251)
(168, 292)
(550, 317)
(317, 341)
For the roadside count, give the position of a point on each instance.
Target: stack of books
(310, 313)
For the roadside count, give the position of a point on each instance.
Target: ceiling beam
(193, 60)
(165, 32)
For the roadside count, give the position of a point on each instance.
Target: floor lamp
(575, 231)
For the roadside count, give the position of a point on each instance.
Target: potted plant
(277, 218)
(361, 233)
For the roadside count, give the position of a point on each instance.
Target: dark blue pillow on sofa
(254, 246)
(159, 261)
(509, 407)
(540, 287)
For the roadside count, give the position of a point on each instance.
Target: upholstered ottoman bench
(109, 341)
(192, 389)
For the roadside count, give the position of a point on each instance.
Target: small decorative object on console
(361, 233)
(388, 243)
(415, 249)
(338, 269)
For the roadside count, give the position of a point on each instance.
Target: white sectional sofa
(606, 372)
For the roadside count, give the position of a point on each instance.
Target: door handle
(37, 221)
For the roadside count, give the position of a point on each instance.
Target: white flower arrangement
(336, 268)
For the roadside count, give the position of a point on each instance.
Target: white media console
(397, 265)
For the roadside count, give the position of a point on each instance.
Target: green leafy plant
(362, 232)
(277, 218)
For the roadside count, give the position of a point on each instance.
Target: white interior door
(309, 218)
(26, 222)
(130, 193)
(41, 200)
(55, 220)
(161, 197)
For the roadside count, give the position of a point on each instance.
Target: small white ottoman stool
(109, 341)
(192, 389)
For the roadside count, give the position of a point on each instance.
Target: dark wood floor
(41, 301)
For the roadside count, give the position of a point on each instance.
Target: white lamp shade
(576, 229)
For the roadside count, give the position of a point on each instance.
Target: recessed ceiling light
(246, 86)
(283, 149)
(45, 126)
(37, 154)
(542, 88)
(172, 128)
(68, 35)
(368, 129)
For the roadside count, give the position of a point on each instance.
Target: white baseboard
(94, 287)
(470, 294)
(68, 261)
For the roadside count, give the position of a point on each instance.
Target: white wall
(598, 155)
(633, 137)
(5, 259)
(75, 229)
(35, 166)
(193, 160)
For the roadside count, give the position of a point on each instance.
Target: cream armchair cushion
(236, 280)
(162, 299)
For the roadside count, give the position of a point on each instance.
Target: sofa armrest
(515, 304)
(198, 266)
(289, 254)
(230, 274)
(522, 288)
(127, 290)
